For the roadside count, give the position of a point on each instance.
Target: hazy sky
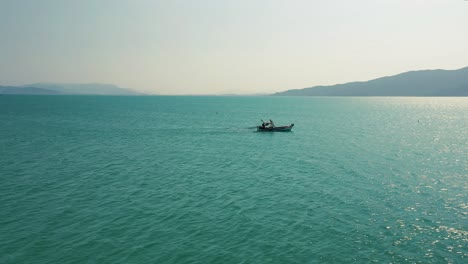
(224, 46)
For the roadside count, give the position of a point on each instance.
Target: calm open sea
(97, 179)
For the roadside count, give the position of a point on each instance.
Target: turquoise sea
(102, 179)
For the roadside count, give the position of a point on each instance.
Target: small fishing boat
(269, 126)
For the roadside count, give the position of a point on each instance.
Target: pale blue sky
(224, 46)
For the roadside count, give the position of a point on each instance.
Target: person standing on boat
(271, 123)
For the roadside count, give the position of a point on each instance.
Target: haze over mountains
(413, 83)
(26, 90)
(67, 89)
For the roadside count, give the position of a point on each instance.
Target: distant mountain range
(413, 83)
(67, 89)
(26, 90)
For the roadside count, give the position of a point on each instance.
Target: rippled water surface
(88, 179)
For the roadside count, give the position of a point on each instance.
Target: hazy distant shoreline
(68, 89)
(425, 83)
